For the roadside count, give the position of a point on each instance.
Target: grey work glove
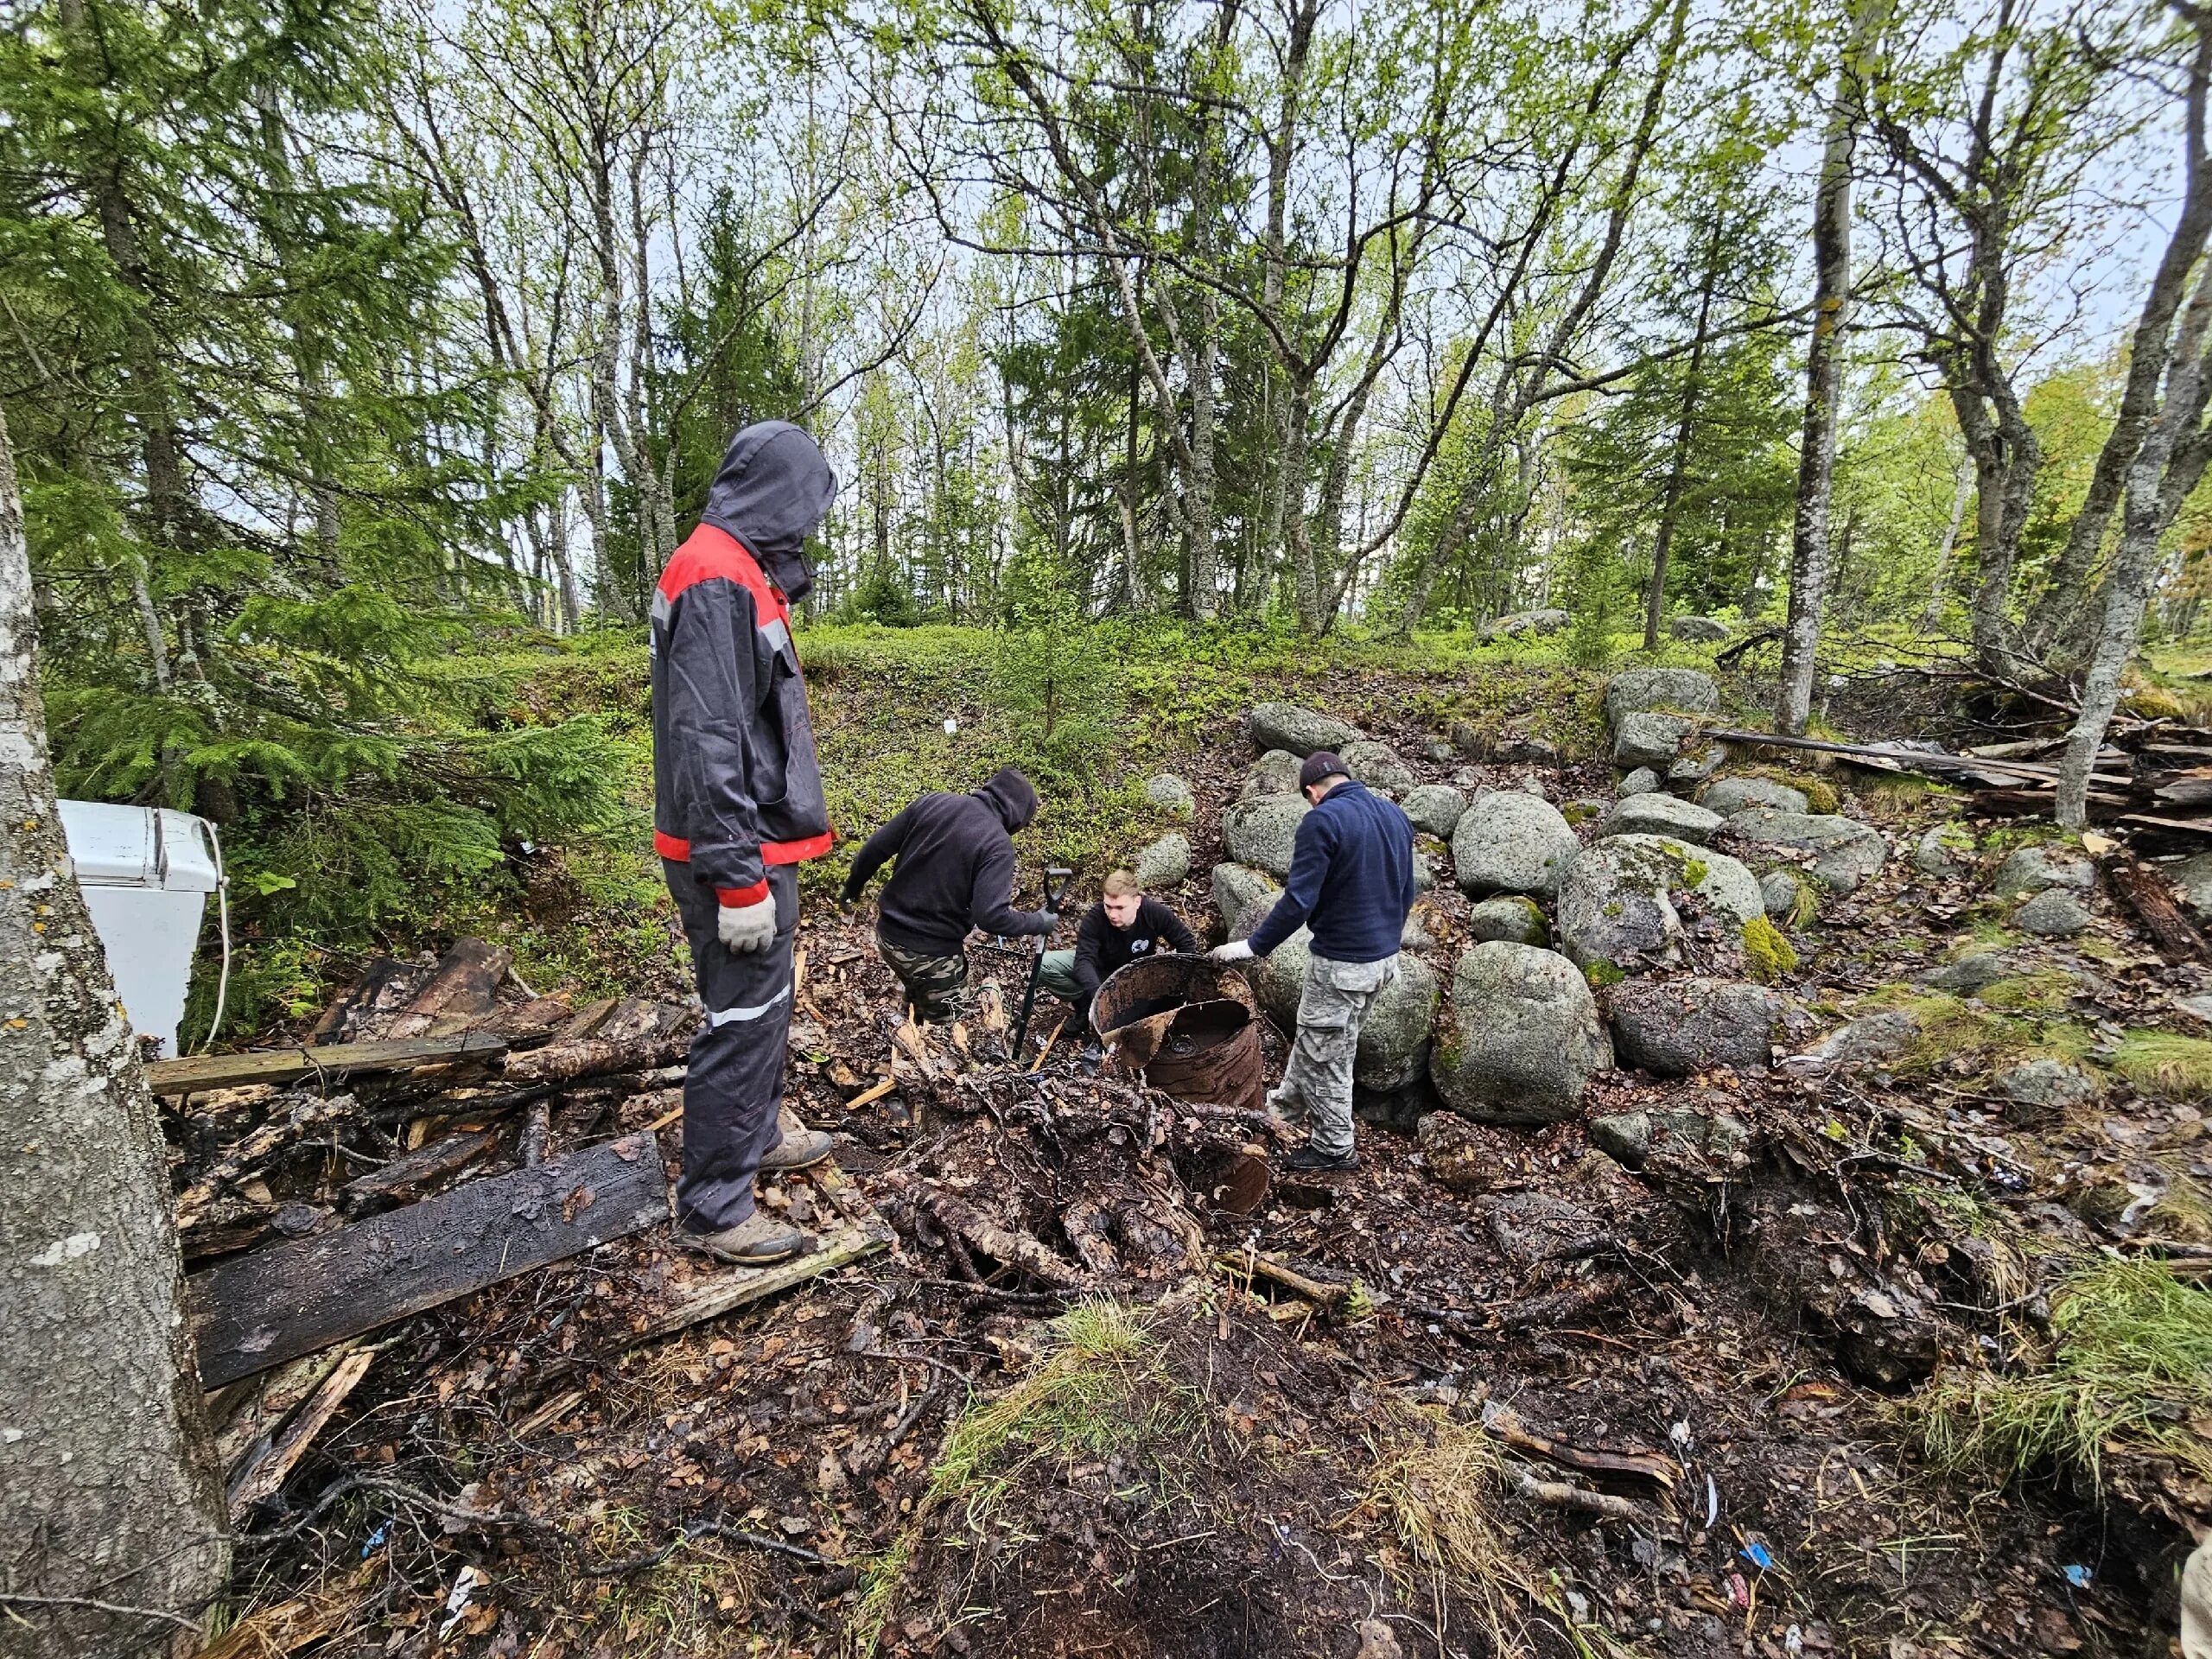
(1235, 950)
(746, 928)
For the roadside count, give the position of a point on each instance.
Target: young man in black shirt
(1123, 927)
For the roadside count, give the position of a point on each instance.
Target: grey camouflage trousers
(1317, 1081)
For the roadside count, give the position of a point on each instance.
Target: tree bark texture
(1825, 360)
(107, 1496)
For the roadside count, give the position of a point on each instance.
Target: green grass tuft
(2166, 1062)
(2130, 1363)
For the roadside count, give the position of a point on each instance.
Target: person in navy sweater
(1352, 881)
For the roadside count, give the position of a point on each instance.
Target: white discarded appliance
(146, 872)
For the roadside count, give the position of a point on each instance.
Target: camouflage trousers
(1317, 1079)
(937, 986)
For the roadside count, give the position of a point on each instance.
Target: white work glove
(1235, 950)
(748, 928)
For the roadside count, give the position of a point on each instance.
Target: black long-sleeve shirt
(955, 871)
(1101, 947)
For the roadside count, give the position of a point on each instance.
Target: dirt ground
(1544, 1407)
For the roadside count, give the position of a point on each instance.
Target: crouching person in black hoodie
(955, 872)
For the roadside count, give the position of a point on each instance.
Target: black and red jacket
(736, 784)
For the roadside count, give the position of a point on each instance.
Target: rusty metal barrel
(1190, 1027)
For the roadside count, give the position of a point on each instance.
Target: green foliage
(1768, 956)
(2130, 1366)
(1056, 681)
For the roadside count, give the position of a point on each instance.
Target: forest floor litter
(1717, 1364)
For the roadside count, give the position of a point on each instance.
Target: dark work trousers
(736, 1080)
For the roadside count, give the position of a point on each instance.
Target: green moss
(1601, 974)
(1694, 870)
(2045, 992)
(1579, 811)
(1768, 957)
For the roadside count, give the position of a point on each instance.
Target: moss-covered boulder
(1523, 1037)
(1624, 901)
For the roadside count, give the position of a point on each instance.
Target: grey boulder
(1659, 815)
(1708, 630)
(1686, 771)
(1779, 889)
(1636, 691)
(1393, 1039)
(1301, 731)
(1434, 809)
(2037, 1089)
(1524, 1036)
(1165, 862)
(1525, 623)
(1172, 795)
(1511, 918)
(2192, 877)
(1641, 781)
(1845, 851)
(2038, 869)
(1648, 739)
(1262, 830)
(1874, 1039)
(1621, 902)
(1242, 896)
(1526, 752)
(1674, 1134)
(1727, 795)
(1378, 764)
(2056, 914)
(1275, 772)
(1943, 849)
(1677, 1027)
(1510, 841)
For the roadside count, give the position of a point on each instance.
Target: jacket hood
(772, 490)
(1010, 796)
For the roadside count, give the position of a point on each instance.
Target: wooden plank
(598, 1058)
(265, 1468)
(2148, 895)
(260, 1310)
(330, 1062)
(707, 1291)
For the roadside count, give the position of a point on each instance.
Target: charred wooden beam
(260, 1310)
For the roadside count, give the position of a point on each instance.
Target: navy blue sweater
(1351, 878)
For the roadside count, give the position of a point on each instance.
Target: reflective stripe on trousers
(735, 1081)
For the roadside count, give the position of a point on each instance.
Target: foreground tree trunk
(1824, 364)
(112, 1527)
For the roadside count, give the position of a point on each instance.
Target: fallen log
(380, 986)
(570, 1062)
(2147, 893)
(1556, 1307)
(1334, 1298)
(332, 1063)
(418, 1168)
(1974, 768)
(260, 1310)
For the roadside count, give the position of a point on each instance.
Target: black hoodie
(956, 868)
(736, 785)
(774, 488)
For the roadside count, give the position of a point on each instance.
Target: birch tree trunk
(112, 1535)
(1936, 588)
(1808, 548)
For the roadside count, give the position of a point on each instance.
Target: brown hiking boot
(753, 1242)
(800, 1148)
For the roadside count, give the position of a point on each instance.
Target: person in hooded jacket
(737, 805)
(955, 872)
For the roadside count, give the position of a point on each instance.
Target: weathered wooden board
(697, 1288)
(262, 1309)
(332, 1060)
